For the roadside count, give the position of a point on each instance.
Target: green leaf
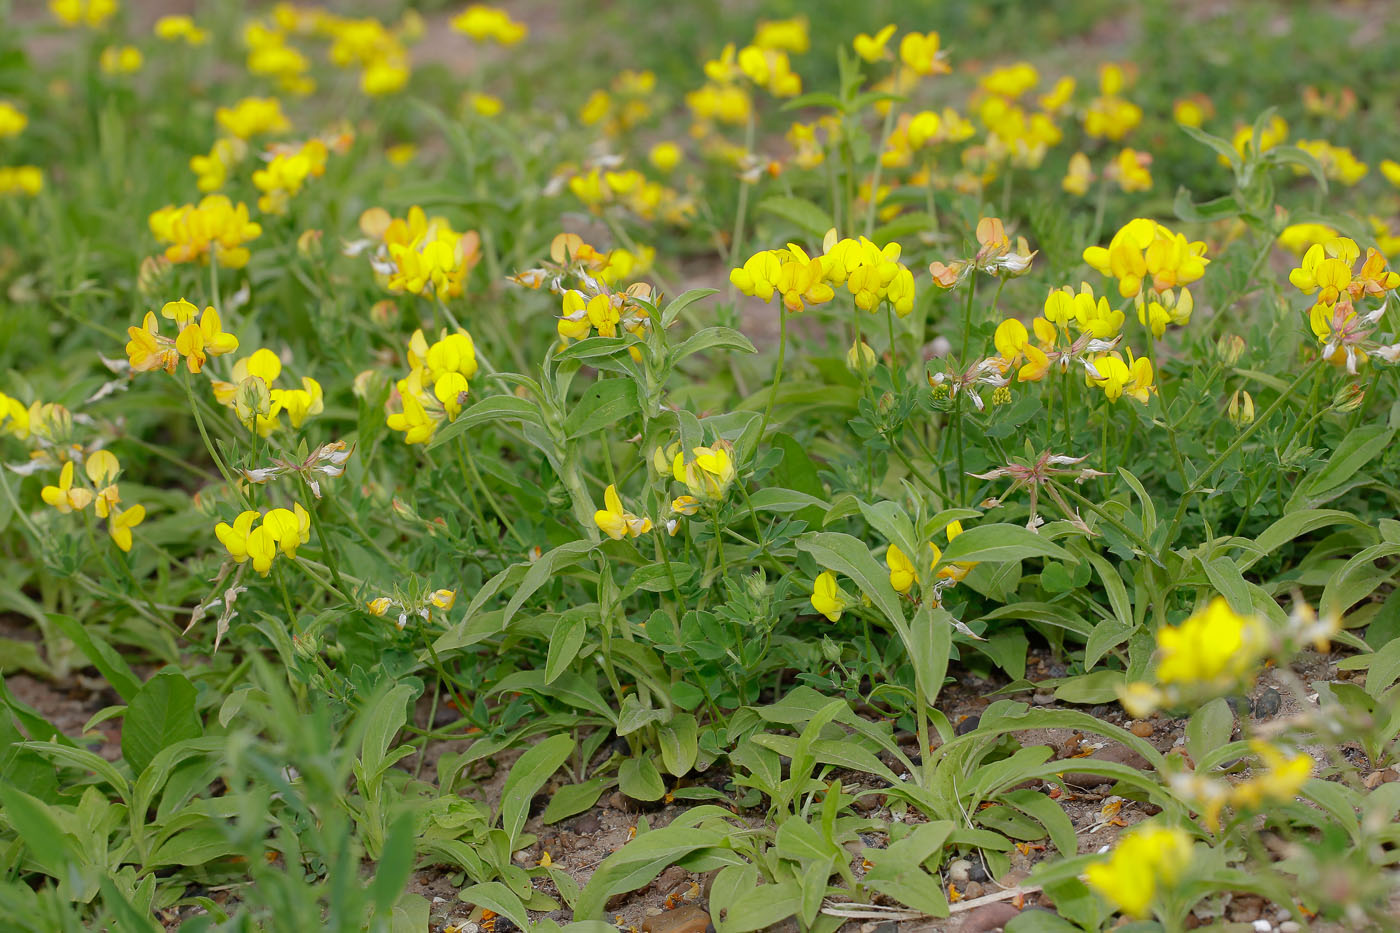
(395, 864)
(800, 212)
(775, 499)
(33, 821)
(683, 301)
(639, 779)
(1098, 687)
(574, 798)
(493, 408)
(1358, 448)
(713, 338)
(529, 773)
(496, 897)
(102, 655)
(605, 404)
(680, 743)
(1221, 146)
(160, 714)
(564, 643)
(642, 859)
(1000, 542)
(1209, 727)
(549, 563)
(930, 642)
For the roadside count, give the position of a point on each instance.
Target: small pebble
(1267, 706)
(969, 724)
(973, 890)
(1141, 729)
(960, 871)
(1263, 926)
(587, 824)
(977, 872)
(680, 920)
(1289, 926)
(1043, 699)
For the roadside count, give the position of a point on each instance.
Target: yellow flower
(1144, 859)
(253, 116)
(212, 170)
(379, 605)
(902, 572)
(1280, 780)
(214, 227)
(1143, 249)
(919, 53)
(443, 599)
(1010, 340)
(827, 597)
(1193, 110)
(147, 350)
(1391, 170)
(300, 404)
(1240, 411)
(872, 48)
(1130, 170)
(119, 525)
(120, 60)
(65, 497)
(1079, 175)
(197, 342)
(21, 179)
(290, 528)
(616, 522)
(172, 28)
(1275, 132)
(102, 470)
(709, 473)
(1212, 651)
(91, 13)
(665, 156)
(955, 572)
(484, 23)
(283, 177)
(485, 105)
(12, 120)
(1326, 268)
(789, 35)
(1296, 238)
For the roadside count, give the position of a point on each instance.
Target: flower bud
(384, 312)
(309, 244)
(1349, 398)
(252, 398)
(151, 278)
(1229, 349)
(1241, 409)
(860, 358)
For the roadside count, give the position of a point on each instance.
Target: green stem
(777, 372)
(879, 168)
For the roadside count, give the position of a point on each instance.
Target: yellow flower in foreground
(827, 597)
(1279, 781)
(709, 472)
(616, 522)
(65, 497)
(1145, 859)
(379, 605)
(443, 599)
(902, 572)
(1215, 649)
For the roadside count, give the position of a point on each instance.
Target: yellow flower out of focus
(253, 116)
(1145, 860)
(12, 120)
(91, 13)
(1213, 650)
(173, 28)
(120, 60)
(485, 23)
(788, 35)
(873, 48)
(21, 179)
(289, 169)
(215, 227)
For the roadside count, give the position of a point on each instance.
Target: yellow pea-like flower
(120, 524)
(65, 497)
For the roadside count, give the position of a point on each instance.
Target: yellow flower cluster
(90, 13)
(214, 227)
(253, 116)
(904, 573)
(489, 24)
(870, 273)
(916, 132)
(629, 188)
(21, 179)
(195, 341)
(1147, 859)
(1110, 115)
(120, 60)
(420, 255)
(707, 473)
(102, 470)
(12, 120)
(256, 400)
(180, 29)
(1344, 330)
(1152, 265)
(624, 106)
(369, 45)
(437, 382)
(1338, 162)
(282, 530)
(271, 56)
(283, 177)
